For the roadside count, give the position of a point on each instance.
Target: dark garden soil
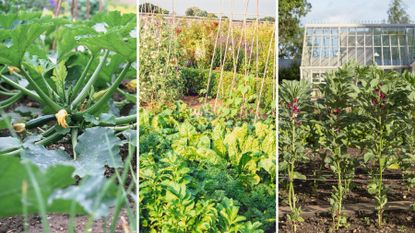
(359, 205)
(58, 223)
(196, 102)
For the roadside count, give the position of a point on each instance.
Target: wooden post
(88, 9)
(58, 8)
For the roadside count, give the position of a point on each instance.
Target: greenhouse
(329, 46)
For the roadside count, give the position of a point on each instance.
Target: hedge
(196, 82)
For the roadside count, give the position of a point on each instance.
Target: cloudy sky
(335, 11)
(237, 7)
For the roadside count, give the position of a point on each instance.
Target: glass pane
(377, 41)
(317, 41)
(352, 40)
(335, 41)
(395, 56)
(378, 56)
(402, 40)
(343, 40)
(316, 52)
(368, 40)
(360, 40)
(326, 41)
(369, 56)
(386, 57)
(404, 55)
(385, 40)
(394, 40)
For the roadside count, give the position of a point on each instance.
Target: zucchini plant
(72, 69)
(293, 133)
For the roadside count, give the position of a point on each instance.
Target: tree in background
(290, 32)
(291, 36)
(16, 5)
(268, 18)
(151, 8)
(195, 11)
(397, 13)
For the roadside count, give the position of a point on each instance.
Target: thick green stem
(84, 92)
(26, 91)
(380, 178)
(122, 120)
(9, 93)
(81, 80)
(292, 198)
(340, 190)
(8, 102)
(74, 139)
(104, 99)
(48, 101)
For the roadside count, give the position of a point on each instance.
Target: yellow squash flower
(19, 127)
(131, 85)
(61, 118)
(13, 69)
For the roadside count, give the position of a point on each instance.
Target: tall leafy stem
(86, 89)
(334, 123)
(380, 102)
(294, 97)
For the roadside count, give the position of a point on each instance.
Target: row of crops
(212, 58)
(68, 118)
(363, 120)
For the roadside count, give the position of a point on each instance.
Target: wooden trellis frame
(232, 48)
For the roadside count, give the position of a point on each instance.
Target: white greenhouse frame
(329, 46)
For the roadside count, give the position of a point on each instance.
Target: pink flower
(337, 111)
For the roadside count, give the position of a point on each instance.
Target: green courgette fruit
(40, 121)
(50, 139)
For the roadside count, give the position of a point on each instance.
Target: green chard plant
(293, 133)
(200, 174)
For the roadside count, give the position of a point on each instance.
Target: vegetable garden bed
(68, 120)
(351, 146)
(208, 166)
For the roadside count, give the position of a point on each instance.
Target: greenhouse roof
(390, 46)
